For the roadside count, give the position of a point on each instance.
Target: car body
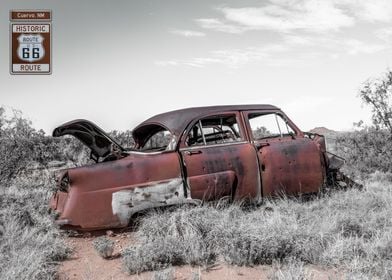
(242, 152)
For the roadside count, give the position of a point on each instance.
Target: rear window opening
(154, 138)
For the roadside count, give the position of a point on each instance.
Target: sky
(117, 63)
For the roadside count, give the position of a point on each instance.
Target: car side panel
(290, 166)
(222, 170)
(89, 202)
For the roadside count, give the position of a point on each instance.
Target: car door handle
(193, 152)
(261, 145)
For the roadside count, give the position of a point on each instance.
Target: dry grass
(30, 244)
(165, 274)
(292, 270)
(350, 230)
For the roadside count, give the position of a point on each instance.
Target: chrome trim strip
(63, 222)
(211, 146)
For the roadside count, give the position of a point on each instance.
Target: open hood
(99, 142)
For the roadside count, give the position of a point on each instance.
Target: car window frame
(137, 146)
(242, 131)
(297, 131)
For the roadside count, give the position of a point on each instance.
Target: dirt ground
(86, 264)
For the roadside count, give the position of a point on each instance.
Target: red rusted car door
(218, 161)
(289, 162)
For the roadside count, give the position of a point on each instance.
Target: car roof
(176, 121)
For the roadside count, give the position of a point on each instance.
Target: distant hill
(323, 130)
(329, 135)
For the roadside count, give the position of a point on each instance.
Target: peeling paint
(125, 203)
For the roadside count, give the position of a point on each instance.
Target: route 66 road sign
(30, 43)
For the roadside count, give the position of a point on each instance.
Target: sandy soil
(85, 263)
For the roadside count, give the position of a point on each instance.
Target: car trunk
(101, 145)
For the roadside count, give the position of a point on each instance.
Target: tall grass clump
(292, 270)
(166, 274)
(30, 245)
(177, 238)
(349, 230)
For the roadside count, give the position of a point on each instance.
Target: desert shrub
(366, 151)
(23, 149)
(17, 143)
(152, 256)
(124, 138)
(104, 246)
(66, 149)
(31, 245)
(370, 149)
(377, 94)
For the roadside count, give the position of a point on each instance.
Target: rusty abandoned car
(244, 152)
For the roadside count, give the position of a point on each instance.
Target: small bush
(366, 151)
(104, 246)
(166, 274)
